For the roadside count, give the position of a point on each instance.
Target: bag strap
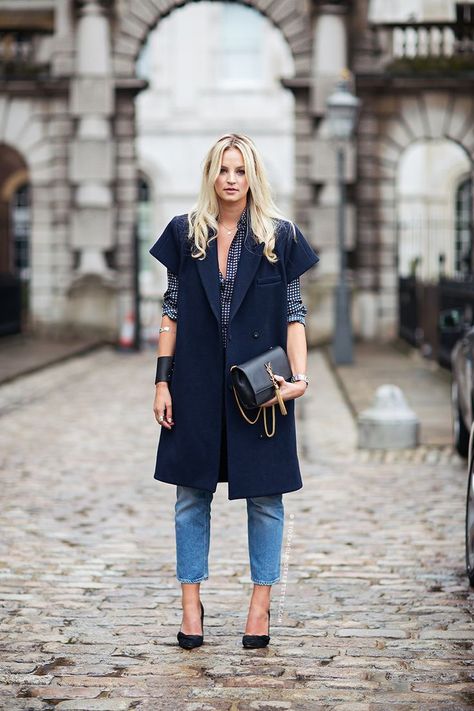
(252, 422)
(265, 421)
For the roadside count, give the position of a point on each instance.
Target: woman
(233, 266)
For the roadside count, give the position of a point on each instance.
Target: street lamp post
(342, 108)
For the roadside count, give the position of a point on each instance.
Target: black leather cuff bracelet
(164, 369)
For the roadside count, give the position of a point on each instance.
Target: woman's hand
(289, 391)
(163, 406)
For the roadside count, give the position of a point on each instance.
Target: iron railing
(408, 322)
(420, 307)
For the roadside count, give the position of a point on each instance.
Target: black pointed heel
(189, 641)
(255, 641)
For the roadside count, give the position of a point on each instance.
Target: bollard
(389, 423)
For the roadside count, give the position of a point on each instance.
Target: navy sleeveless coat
(201, 389)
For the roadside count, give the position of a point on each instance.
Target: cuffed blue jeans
(265, 521)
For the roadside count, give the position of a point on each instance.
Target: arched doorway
(14, 241)
(429, 207)
(134, 23)
(202, 84)
(434, 228)
(199, 89)
(394, 123)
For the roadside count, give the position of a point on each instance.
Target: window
(144, 220)
(143, 190)
(239, 52)
(464, 227)
(20, 218)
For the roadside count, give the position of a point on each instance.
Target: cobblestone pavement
(373, 611)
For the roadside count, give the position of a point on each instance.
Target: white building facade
(80, 131)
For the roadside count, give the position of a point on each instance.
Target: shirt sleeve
(296, 309)
(300, 256)
(170, 297)
(166, 248)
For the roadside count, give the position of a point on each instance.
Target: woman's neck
(229, 214)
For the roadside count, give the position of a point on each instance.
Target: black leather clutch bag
(254, 384)
(252, 381)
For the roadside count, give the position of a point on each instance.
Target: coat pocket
(274, 279)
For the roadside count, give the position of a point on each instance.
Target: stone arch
(388, 126)
(37, 130)
(426, 206)
(139, 17)
(292, 17)
(14, 181)
(416, 120)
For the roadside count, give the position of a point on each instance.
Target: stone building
(69, 165)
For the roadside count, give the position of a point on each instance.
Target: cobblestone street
(373, 612)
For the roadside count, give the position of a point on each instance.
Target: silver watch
(299, 376)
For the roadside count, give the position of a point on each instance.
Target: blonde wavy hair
(264, 214)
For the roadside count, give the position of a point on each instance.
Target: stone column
(91, 169)
(330, 58)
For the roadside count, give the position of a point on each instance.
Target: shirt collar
(242, 223)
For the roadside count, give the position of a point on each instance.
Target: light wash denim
(265, 521)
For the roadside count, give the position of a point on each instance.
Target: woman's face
(231, 184)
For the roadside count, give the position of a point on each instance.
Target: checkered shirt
(296, 310)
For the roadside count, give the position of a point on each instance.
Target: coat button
(255, 334)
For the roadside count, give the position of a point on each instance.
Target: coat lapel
(249, 261)
(208, 269)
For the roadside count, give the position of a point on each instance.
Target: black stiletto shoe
(255, 641)
(189, 641)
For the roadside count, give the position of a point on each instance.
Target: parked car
(470, 521)
(452, 322)
(456, 326)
